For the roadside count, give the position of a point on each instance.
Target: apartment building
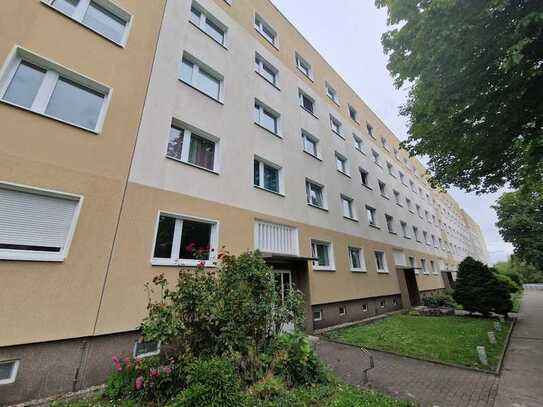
(182, 125)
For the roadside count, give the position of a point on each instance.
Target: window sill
(351, 219)
(385, 197)
(393, 233)
(344, 173)
(26, 109)
(359, 271)
(361, 152)
(183, 263)
(32, 256)
(399, 204)
(355, 121)
(367, 186)
(304, 74)
(193, 165)
(382, 272)
(268, 130)
(326, 269)
(311, 155)
(267, 41)
(318, 207)
(268, 81)
(209, 36)
(202, 93)
(309, 111)
(338, 134)
(269, 190)
(374, 226)
(407, 237)
(118, 44)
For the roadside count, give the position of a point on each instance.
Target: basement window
(8, 371)
(317, 315)
(143, 349)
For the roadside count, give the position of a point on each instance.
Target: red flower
(190, 247)
(117, 363)
(139, 383)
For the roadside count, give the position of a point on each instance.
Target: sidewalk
(521, 383)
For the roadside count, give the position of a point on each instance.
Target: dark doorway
(412, 287)
(448, 279)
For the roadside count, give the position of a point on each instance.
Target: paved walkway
(521, 383)
(425, 383)
(431, 384)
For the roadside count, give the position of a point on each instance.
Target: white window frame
(390, 225)
(424, 267)
(344, 308)
(382, 304)
(202, 24)
(382, 188)
(280, 180)
(307, 135)
(340, 158)
(385, 263)
(260, 63)
(370, 129)
(365, 307)
(361, 259)
(376, 158)
(30, 255)
(351, 109)
(301, 95)
(323, 193)
(188, 131)
(176, 244)
(332, 263)
(390, 169)
(372, 221)
(54, 72)
(397, 197)
(358, 144)
(433, 268)
(300, 62)
(335, 121)
(277, 116)
(14, 371)
(198, 66)
(350, 201)
(261, 25)
(144, 355)
(367, 176)
(81, 9)
(331, 93)
(405, 229)
(320, 315)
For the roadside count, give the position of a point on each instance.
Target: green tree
(475, 72)
(478, 289)
(520, 271)
(520, 221)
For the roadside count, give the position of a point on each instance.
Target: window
(418, 211)
(335, 125)
(341, 164)
(317, 315)
(267, 176)
(390, 224)
(423, 266)
(353, 114)
(8, 371)
(425, 235)
(364, 307)
(404, 229)
(382, 304)
(34, 83)
(384, 143)
(376, 158)
(192, 147)
(427, 215)
(183, 240)
(409, 205)
(396, 154)
(433, 267)
(331, 93)
(310, 144)
(207, 23)
(390, 169)
(412, 262)
(267, 118)
(370, 130)
(200, 77)
(303, 66)
(402, 178)
(413, 188)
(101, 16)
(397, 197)
(416, 233)
(266, 70)
(356, 257)
(322, 251)
(372, 220)
(382, 189)
(348, 209)
(394, 301)
(306, 102)
(315, 195)
(342, 311)
(266, 30)
(143, 349)
(35, 224)
(364, 176)
(380, 261)
(358, 143)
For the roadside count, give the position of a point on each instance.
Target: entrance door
(412, 287)
(283, 283)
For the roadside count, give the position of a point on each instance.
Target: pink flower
(127, 361)
(139, 383)
(117, 363)
(166, 370)
(190, 247)
(154, 372)
(201, 264)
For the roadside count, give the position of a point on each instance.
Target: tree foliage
(478, 289)
(520, 271)
(475, 70)
(520, 221)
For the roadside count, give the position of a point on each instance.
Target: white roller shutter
(31, 219)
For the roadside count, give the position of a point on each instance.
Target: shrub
(212, 382)
(439, 300)
(297, 363)
(143, 379)
(478, 289)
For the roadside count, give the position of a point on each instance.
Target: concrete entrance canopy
(409, 289)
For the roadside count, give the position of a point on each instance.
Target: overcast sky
(349, 38)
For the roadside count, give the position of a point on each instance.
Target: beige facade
(126, 176)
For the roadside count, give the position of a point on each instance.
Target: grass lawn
(332, 395)
(446, 339)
